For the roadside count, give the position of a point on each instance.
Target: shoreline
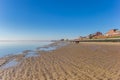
(82, 61)
(30, 53)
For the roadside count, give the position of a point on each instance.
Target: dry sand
(84, 61)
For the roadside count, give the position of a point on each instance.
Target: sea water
(13, 48)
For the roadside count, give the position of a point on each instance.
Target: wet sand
(83, 61)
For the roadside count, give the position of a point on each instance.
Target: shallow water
(31, 54)
(47, 48)
(10, 64)
(52, 47)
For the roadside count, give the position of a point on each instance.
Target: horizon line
(24, 40)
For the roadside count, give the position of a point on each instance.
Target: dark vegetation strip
(104, 40)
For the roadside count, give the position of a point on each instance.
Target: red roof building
(113, 32)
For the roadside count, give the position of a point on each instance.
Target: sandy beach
(83, 61)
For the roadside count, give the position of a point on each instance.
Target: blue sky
(56, 19)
